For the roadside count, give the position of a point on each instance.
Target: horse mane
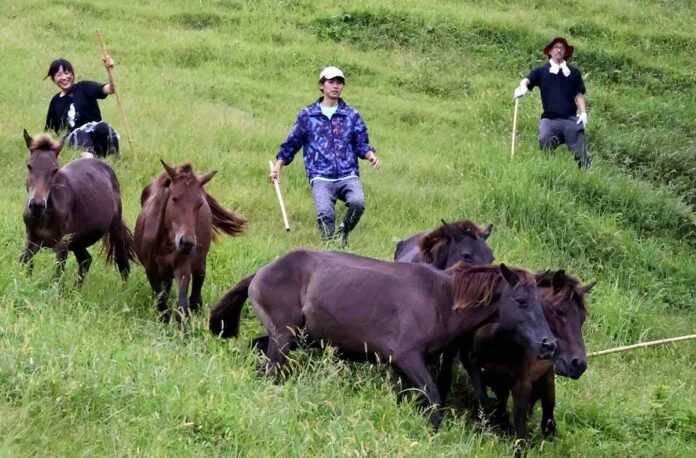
(44, 141)
(545, 280)
(474, 286)
(457, 229)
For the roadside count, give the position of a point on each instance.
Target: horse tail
(224, 318)
(118, 243)
(223, 219)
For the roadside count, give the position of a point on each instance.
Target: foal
(71, 208)
(493, 359)
(173, 234)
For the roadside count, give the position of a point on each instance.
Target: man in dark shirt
(75, 110)
(562, 95)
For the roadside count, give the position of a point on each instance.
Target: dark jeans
(555, 132)
(98, 138)
(325, 194)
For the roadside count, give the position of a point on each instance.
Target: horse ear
(558, 281)
(207, 177)
(509, 276)
(27, 139)
(170, 171)
(586, 289)
(59, 147)
(486, 232)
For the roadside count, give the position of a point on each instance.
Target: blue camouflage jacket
(331, 147)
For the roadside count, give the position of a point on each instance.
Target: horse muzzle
(572, 369)
(37, 207)
(185, 245)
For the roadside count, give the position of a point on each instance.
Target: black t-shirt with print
(76, 108)
(557, 91)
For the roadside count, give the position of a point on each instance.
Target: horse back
(94, 194)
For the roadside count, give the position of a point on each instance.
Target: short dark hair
(56, 65)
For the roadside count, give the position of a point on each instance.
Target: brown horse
(71, 208)
(175, 227)
(447, 245)
(495, 360)
(401, 312)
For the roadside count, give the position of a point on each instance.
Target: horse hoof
(549, 429)
(165, 316)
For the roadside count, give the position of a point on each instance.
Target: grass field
(90, 371)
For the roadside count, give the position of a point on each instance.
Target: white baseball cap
(330, 73)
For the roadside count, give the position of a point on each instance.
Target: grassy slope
(218, 83)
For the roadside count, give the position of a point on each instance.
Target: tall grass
(90, 371)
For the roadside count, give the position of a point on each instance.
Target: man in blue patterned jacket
(333, 136)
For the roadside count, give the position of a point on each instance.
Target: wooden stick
(514, 127)
(642, 344)
(118, 99)
(280, 199)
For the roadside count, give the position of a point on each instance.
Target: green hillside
(91, 372)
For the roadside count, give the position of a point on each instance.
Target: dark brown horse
(400, 312)
(447, 245)
(71, 208)
(175, 227)
(495, 360)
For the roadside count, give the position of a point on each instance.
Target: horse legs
(444, 379)
(161, 284)
(502, 393)
(279, 343)
(546, 389)
(400, 383)
(84, 260)
(414, 368)
(195, 300)
(183, 278)
(521, 393)
(31, 247)
(61, 250)
(472, 366)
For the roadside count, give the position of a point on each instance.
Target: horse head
(455, 242)
(42, 168)
(565, 311)
(521, 312)
(185, 199)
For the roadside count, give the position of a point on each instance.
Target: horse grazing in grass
(448, 244)
(400, 312)
(70, 208)
(495, 360)
(175, 227)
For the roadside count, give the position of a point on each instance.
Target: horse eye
(466, 256)
(29, 167)
(175, 200)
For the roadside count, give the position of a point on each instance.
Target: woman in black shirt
(75, 111)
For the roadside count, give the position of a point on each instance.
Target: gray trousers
(325, 194)
(555, 132)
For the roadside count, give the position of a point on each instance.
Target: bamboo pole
(280, 200)
(514, 127)
(642, 345)
(112, 78)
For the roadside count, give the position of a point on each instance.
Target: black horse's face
(42, 168)
(565, 312)
(521, 314)
(468, 249)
